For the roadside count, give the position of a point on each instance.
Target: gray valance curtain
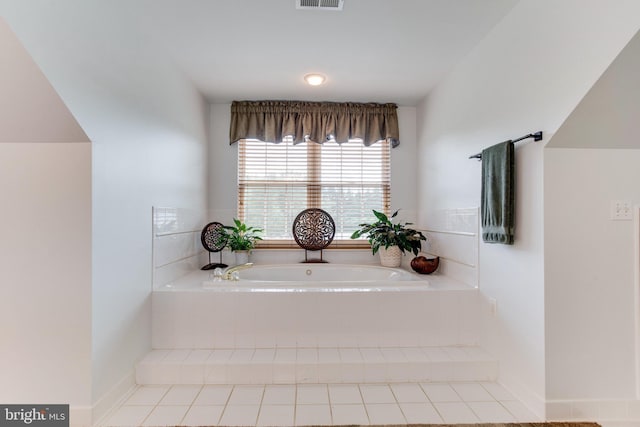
(272, 121)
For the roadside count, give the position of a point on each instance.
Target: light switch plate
(621, 210)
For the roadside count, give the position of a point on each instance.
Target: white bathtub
(325, 273)
(305, 278)
(279, 306)
(318, 278)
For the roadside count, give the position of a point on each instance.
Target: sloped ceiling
(609, 114)
(30, 109)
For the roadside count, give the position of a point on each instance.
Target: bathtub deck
(316, 365)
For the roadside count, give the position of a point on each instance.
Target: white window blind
(277, 181)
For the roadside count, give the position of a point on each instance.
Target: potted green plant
(241, 239)
(391, 239)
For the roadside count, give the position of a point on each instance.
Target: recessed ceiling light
(314, 79)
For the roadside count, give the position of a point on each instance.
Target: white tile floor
(306, 404)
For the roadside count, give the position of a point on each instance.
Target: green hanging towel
(497, 200)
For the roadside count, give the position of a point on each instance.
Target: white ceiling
(374, 50)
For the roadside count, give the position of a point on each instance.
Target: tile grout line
(226, 403)
(366, 411)
(398, 403)
(264, 389)
(400, 406)
(329, 402)
(295, 404)
(434, 403)
(462, 399)
(500, 403)
(189, 407)
(155, 406)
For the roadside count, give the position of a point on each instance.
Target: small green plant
(241, 237)
(385, 233)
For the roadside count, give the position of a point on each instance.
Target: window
(277, 181)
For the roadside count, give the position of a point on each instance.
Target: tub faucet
(229, 271)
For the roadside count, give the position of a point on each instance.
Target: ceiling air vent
(319, 4)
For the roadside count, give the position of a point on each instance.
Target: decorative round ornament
(214, 239)
(314, 229)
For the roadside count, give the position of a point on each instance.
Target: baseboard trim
(525, 395)
(618, 410)
(113, 398)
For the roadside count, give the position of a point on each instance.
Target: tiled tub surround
(454, 237)
(177, 249)
(413, 332)
(190, 316)
(424, 329)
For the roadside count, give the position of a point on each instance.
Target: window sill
(291, 244)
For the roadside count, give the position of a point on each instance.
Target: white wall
(45, 249)
(148, 129)
(589, 273)
(526, 75)
(223, 164)
(589, 258)
(148, 151)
